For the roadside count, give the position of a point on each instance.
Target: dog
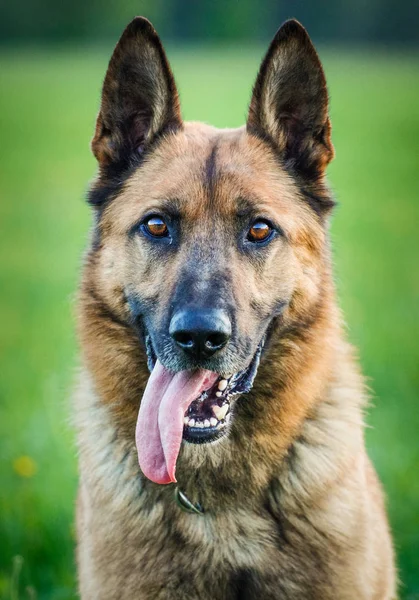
(220, 408)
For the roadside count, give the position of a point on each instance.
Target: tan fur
(293, 508)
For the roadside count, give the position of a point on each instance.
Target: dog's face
(206, 238)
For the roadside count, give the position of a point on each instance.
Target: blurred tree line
(343, 21)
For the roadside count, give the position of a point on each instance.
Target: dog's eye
(156, 227)
(260, 231)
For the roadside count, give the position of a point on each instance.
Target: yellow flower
(25, 466)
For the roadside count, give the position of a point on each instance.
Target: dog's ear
(289, 105)
(139, 98)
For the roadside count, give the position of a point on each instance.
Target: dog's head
(207, 239)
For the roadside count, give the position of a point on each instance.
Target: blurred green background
(52, 61)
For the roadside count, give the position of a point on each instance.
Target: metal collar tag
(185, 504)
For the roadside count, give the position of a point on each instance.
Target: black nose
(200, 333)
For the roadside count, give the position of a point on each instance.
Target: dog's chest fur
(136, 542)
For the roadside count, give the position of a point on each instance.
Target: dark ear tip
(139, 26)
(292, 29)
(292, 24)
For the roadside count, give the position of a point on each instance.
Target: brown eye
(156, 227)
(260, 231)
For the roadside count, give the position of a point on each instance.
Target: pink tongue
(160, 421)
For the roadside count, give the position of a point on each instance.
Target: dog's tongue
(160, 421)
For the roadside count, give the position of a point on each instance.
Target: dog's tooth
(220, 411)
(185, 420)
(199, 424)
(213, 421)
(218, 394)
(191, 422)
(207, 423)
(222, 384)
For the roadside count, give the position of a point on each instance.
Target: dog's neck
(294, 382)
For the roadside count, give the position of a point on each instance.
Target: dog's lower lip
(200, 433)
(207, 417)
(151, 355)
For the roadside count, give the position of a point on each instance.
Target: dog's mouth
(195, 406)
(207, 417)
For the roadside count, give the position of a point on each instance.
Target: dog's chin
(209, 416)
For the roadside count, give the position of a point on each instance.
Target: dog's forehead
(219, 166)
(205, 170)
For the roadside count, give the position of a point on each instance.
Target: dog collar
(185, 504)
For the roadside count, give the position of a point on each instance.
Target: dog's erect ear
(289, 105)
(139, 97)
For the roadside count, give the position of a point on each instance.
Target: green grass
(48, 102)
